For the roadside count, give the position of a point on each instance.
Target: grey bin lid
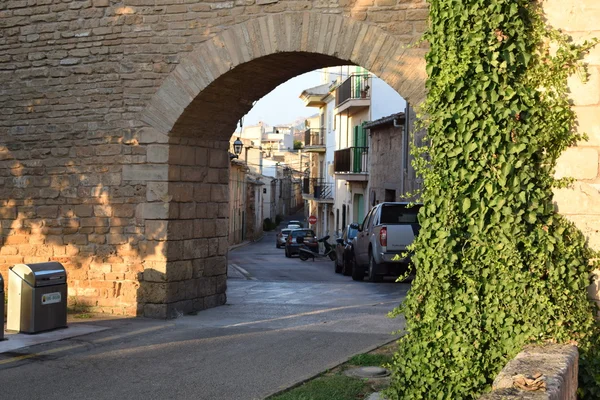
(41, 274)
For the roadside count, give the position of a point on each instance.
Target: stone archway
(191, 118)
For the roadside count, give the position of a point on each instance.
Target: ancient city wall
(115, 119)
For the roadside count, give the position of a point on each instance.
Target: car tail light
(383, 236)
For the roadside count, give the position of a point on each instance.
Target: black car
(344, 251)
(292, 244)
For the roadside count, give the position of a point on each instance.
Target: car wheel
(287, 253)
(302, 256)
(373, 267)
(338, 267)
(358, 274)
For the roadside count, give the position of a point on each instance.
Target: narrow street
(284, 322)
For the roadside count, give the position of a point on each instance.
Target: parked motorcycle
(306, 252)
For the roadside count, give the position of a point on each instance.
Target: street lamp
(237, 147)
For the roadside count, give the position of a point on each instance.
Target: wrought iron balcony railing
(353, 160)
(355, 87)
(318, 188)
(314, 137)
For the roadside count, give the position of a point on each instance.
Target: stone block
(215, 266)
(152, 211)
(179, 270)
(578, 163)
(585, 93)
(193, 174)
(157, 153)
(558, 363)
(145, 172)
(156, 230)
(219, 193)
(202, 192)
(588, 121)
(195, 248)
(181, 192)
(157, 191)
(152, 292)
(180, 229)
(218, 159)
(581, 15)
(580, 199)
(156, 311)
(187, 210)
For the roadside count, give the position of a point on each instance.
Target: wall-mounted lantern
(237, 147)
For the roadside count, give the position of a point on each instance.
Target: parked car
(293, 226)
(295, 222)
(380, 245)
(281, 237)
(292, 243)
(344, 251)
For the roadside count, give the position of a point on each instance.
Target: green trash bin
(37, 297)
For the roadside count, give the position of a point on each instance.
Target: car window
(293, 226)
(300, 232)
(285, 231)
(352, 233)
(399, 213)
(368, 218)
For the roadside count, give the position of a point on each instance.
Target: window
(393, 214)
(390, 195)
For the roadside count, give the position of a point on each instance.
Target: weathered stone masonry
(115, 119)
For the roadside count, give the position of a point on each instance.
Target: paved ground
(277, 329)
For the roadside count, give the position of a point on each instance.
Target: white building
(349, 97)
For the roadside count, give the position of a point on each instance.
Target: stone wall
(115, 118)
(557, 364)
(114, 124)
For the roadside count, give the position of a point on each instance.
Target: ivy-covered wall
(497, 267)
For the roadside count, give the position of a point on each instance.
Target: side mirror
(360, 227)
(354, 226)
(339, 241)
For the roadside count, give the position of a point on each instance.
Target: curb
(245, 243)
(327, 368)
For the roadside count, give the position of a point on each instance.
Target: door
(360, 144)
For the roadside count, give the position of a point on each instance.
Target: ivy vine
(497, 268)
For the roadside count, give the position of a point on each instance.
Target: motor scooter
(305, 252)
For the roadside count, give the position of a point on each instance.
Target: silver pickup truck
(382, 239)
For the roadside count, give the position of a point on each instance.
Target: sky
(283, 105)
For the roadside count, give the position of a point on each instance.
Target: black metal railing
(355, 87)
(318, 188)
(351, 160)
(314, 137)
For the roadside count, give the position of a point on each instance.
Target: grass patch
(370, 360)
(332, 387)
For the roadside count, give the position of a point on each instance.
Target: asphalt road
(285, 322)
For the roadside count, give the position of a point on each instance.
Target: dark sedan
(344, 250)
(292, 244)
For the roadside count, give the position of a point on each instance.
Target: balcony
(317, 189)
(352, 164)
(353, 95)
(314, 140)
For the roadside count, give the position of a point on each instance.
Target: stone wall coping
(557, 362)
